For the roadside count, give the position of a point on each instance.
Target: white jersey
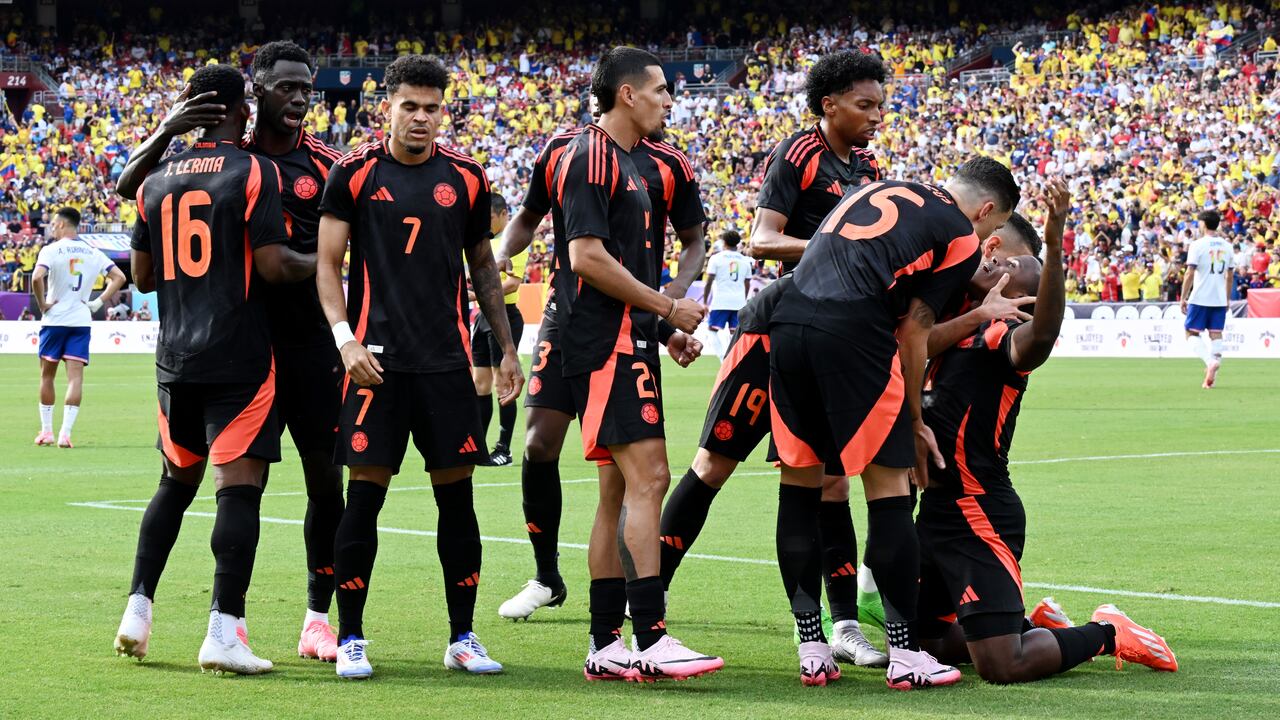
(73, 268)
(731, 270)
(1212, 257)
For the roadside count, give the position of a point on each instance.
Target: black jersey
(201, 214)
(673, 190)
(409, 226)
(892, 241)
(538, 199)
(293, 309)
(804, 180)
(599, 193)
(971, 403)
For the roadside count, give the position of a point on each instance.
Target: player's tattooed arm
(187, 114)
(768, 241)
(1033, 342)
(361, 364)
(490, 295)
(913, 341)
(693, 256)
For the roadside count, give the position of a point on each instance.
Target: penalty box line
(746, 561)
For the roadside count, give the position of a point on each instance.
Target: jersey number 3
(188, 228)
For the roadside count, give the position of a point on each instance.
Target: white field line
(745, 561)
(754, 473)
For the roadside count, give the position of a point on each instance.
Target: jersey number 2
(188, 228)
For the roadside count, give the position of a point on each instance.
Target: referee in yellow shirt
(486, 354)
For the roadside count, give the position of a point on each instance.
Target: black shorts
(839, 402)
(547, 386)
(619, 403)
(970, 547)
(218, 421)
(438, 409)
(308, 395)
(485, 350)
(738, 415)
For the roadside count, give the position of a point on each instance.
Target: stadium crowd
(1136, 110)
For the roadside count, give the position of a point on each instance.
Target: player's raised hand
(684, 349)
(1058, 202)
(686, 315)
(926, 450)
(998, 307)
(510, 378)
(361, 364)
(189, 113)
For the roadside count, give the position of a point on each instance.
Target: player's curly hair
(264, 61)
(616, 68)
(415, 70)
(1027, 232)
(226, 82)
(993, 178)
(837, 73)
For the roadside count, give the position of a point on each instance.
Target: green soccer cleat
(870, 609)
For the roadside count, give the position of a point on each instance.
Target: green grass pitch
(1184, 524)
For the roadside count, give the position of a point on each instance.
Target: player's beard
(658, 135)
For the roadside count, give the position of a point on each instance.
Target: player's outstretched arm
(913, 343)
(589, 259)
(944, 335)
(693, 256)
(489, 294)
(1033, 342)
(361, 365)
(516, 237)
(187, 114)
(768, 241)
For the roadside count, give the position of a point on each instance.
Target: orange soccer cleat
(1135, 643)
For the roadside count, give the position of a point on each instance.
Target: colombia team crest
(649, 413)
(305, 187)
(359, 441)
(445, 195)
(535, 385)
(723, 430)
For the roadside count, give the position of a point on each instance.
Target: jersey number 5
(188, 228)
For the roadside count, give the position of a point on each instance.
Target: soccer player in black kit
(411, 209)
(805, 177)
(675, 197)
(308, 369)
(849, 338)
(971, 524)
(210, 229)
(608, 306)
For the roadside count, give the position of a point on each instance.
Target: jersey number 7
(188, 228)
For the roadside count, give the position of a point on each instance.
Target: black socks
(458, 544)
(893, 554)
(235, 544)
(159, 531)
(506, 425)
(682, 521)
(608, 603)
(485, 403)
(799, 558)
(355, 547)
(839, 559)
(324, 512)
(540, 485)
(648, 610)
(1079, 644)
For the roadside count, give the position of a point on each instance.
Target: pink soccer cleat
(669, 659)
(911, 670)
(611, 662)
(1135, 643)
(45, 438)
(1049, 614)
(318, 641)
(64, 441)
(817, 667)
(1211, 373)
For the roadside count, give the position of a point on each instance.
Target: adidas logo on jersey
(382, 194)
(968, 596)
(468, 447)
(835, 189)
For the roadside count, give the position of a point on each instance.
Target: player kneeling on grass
(411, 208)
(214, 366)
(971, 523)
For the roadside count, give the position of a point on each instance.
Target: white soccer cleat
(353, 662)
(532, 596)
(221, 654)
(468, 654)
(849, 645)
(135, 628)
